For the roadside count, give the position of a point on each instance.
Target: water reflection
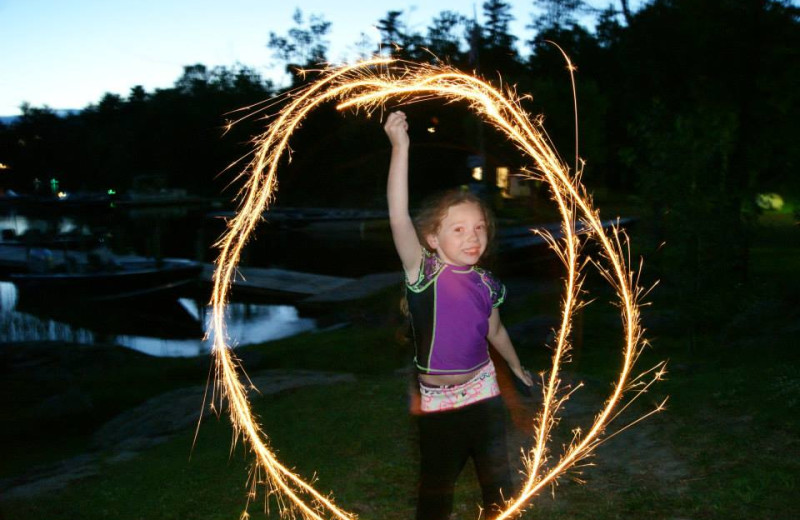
(170, 328)
(20, 327)
(247, 324)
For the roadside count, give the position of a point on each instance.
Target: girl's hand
(396, 128)
(523, 374)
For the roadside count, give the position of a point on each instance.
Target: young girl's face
(462, 235)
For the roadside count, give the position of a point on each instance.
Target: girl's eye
(458, 229)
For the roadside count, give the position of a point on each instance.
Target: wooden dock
(521, 237)
(358, 288)
(303, 287)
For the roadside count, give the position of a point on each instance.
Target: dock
(309, 288)
(520, 237)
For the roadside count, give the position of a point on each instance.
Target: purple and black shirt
(450, 308)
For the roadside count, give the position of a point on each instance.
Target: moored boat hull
(131, 280)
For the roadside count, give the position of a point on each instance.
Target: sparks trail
(368, 86)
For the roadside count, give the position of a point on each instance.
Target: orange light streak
(368, 85)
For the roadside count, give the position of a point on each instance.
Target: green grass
(360, 450)
(726, 447)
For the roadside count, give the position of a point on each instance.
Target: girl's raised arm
(403, 233)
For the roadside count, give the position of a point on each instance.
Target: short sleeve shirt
(450, 308)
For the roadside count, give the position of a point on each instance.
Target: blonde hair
(435, 208)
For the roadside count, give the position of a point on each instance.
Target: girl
(453, 310)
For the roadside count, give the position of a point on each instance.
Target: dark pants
(447, 440)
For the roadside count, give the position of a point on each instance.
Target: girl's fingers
(394, 116)
(396, 120)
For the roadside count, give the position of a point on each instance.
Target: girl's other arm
(403, 233)
(498, 337)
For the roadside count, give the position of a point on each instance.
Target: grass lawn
(727, 447)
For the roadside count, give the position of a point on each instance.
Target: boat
(102, 278)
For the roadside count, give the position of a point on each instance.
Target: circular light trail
(367, 86)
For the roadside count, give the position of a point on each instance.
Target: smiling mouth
(473, 251)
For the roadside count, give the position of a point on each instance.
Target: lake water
(247, 323)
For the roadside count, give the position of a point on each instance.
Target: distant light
(502, 181)
(4, 166)
(477, 173)
(431, 129)
(769, 201)
(63, 195)
(111, 192)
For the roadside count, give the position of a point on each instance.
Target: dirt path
(641, 454)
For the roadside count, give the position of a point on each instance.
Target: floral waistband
(441, 398)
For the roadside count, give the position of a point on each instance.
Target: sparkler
(367, 86)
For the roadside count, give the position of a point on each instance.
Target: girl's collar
(461, 269)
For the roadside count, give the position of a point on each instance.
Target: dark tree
(555, 13)
(305, 44)
(392, 32)
(626, 11)
(709, 116)
(37, 148)
(498, 16)
(396, 40)
(491, 45)
(444, 40)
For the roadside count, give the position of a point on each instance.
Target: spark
(367, 86)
